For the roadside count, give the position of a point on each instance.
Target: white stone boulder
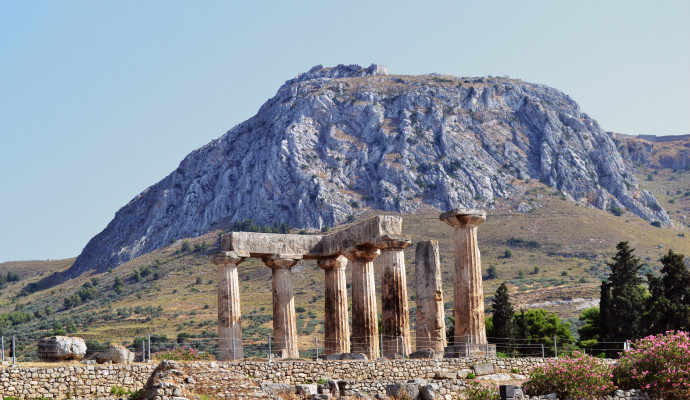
(116, 354)
(57, 348)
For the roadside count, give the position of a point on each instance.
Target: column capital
(228, 257)
(332, 262)
(365, 252)
(278, 261)
(461, 217)
(389, 242)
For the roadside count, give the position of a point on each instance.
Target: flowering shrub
(475, 390)
(183, 354)
(659, 365)
(578, 376)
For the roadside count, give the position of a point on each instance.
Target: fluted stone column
(395, 315)
(284, 321)
(337, 324)
(364, 315)
(229, 315)
(431, 324)
(469, 293)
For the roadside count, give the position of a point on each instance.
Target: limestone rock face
(57, 348)
(336, 139)
(116, 354)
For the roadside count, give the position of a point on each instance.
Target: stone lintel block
(313, 246)
(463, 216)
(228, 257)
(266, 244)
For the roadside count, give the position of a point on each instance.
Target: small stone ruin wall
(94, 381)
(88, 381)
(296, 372)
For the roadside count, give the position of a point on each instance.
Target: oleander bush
(658, 365)
(183, 354)
(576, 376)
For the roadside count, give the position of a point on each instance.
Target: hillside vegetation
(552, 255)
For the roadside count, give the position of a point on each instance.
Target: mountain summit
(336, 139)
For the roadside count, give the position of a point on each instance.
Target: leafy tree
(145, 271)
(87, 292)
(491, 272)
(186, 246)
(668, 307)
(589, 332)
(12, 277)
(503, 313)
(622, 316)
(537, 326)
(71, 301)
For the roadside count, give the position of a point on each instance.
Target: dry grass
(572, 238)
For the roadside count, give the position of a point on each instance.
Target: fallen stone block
(58, 348)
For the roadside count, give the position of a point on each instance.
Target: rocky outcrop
(655, 151)
(57, 348)
(336, 139)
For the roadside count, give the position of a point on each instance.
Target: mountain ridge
(335, 139)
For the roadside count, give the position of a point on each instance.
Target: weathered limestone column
(395, 315)
(337, 324)
(431, 318)
(364, 315)
(469, 293)
(229, 315)
(284, 321)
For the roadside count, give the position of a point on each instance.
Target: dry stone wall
(87, 381)
(296, 372)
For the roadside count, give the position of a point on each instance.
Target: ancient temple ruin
(361, 243)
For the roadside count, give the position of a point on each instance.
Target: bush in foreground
(578, 376)
(183, 354)
(475, 390)
(658, 365)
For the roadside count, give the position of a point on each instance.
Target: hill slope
(560, 246)
(336, 139)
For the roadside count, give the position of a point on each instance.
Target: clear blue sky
(99, 100)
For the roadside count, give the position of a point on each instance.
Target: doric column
(431, 324)
(469, 294)
(337, 325)
(229, 316)
(364, 315)
(284, 321)
(395, 315)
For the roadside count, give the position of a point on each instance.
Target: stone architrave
(395, 315)
(284, 320)
(431, 324)
(229, 314)
(364, 315)
(337, 326)
(469, 293)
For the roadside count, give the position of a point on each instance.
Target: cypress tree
(668, 307)
(503, 313)
(604, 309)
(624, 313)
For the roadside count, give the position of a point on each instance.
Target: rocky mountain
(334, 140)
(655, 151)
